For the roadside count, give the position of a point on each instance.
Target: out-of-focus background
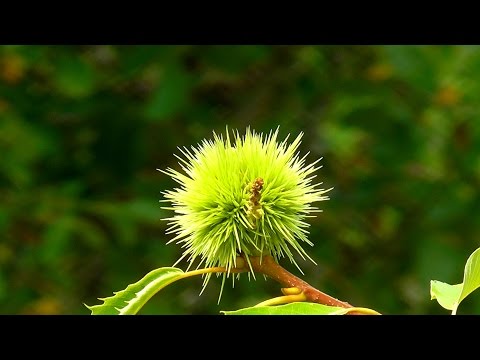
(84, 128)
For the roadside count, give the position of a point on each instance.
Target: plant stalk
(268, 266)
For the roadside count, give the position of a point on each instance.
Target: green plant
(450, 296)
(241, 206)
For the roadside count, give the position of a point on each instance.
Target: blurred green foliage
(84, 128)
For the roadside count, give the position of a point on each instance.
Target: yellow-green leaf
(450, 296)
(297, 308)
(471, 277)
(131, 300)
(447, 295)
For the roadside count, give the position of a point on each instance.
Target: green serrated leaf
(296, 308)
(131, 300)
(450, 296)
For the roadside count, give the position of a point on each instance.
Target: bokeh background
(84, 128)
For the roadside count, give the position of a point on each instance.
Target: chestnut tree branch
(268, 266)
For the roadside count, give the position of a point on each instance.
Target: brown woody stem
(272, 269)
(268, 266)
